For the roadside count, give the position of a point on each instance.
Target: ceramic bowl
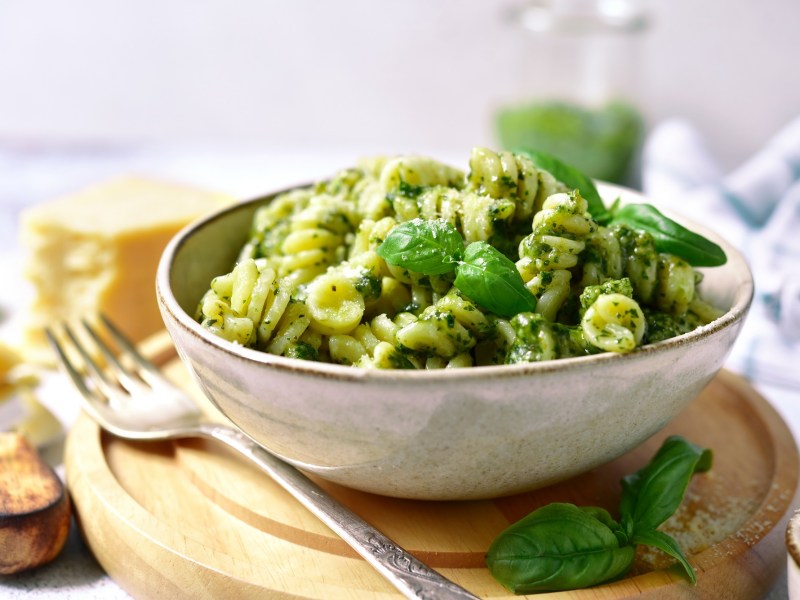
(447, 434)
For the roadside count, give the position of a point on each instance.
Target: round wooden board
(189, 519)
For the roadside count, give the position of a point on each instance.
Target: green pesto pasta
(310, 282)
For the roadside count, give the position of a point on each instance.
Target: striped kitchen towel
(756, 207)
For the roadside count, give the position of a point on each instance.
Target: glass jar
(577, 85)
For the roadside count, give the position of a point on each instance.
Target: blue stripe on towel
(794, 167)
(743, 209)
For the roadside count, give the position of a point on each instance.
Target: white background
(393, 75)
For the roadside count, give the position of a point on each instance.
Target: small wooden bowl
(34, 507)
(793, 546)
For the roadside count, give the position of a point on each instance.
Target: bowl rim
(742, 301)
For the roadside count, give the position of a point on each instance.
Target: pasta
(310, 282)
(552, 248)
(614, 322)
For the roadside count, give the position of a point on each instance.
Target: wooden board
(189, 519)
(793, 557)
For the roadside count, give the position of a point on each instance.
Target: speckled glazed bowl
(448, 434)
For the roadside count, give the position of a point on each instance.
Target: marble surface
(33, 173)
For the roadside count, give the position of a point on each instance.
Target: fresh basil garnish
(572, 178)
(488, 277)
(651, 495)
(668, 545)
(428, 247)
(669, 236)
(557, 547)
(483, 273)
(562, 546)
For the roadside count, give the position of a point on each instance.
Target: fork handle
(411, 576)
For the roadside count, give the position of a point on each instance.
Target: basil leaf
(669, 236)
(426, 247)
(651, 495)
(602, 515)
(572, 178)
(488, 277)
(557, 547)
(665, 543)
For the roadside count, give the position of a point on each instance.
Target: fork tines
(85, 352)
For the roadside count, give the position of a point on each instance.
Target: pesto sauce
(663, 326)
(302, 350)
(612, 286)
(368, 285)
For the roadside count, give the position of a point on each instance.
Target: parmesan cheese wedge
(97, 251)
(9, 358)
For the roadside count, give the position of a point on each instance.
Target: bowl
(467, 433)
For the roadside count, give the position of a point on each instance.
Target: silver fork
(138, 403)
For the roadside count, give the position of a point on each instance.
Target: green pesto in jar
(601, 142)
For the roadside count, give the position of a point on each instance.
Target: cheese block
(97, 251)
(9, 358)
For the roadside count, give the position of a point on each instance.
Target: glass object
(578, 88)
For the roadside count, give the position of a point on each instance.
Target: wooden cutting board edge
(105, 506)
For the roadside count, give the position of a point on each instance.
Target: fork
(131, 399)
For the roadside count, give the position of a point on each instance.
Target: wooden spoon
(34, 507)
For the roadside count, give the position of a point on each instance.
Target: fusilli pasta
(310, 283)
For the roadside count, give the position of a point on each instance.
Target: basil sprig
(562, 546)
(483, 273)
(669, 236)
